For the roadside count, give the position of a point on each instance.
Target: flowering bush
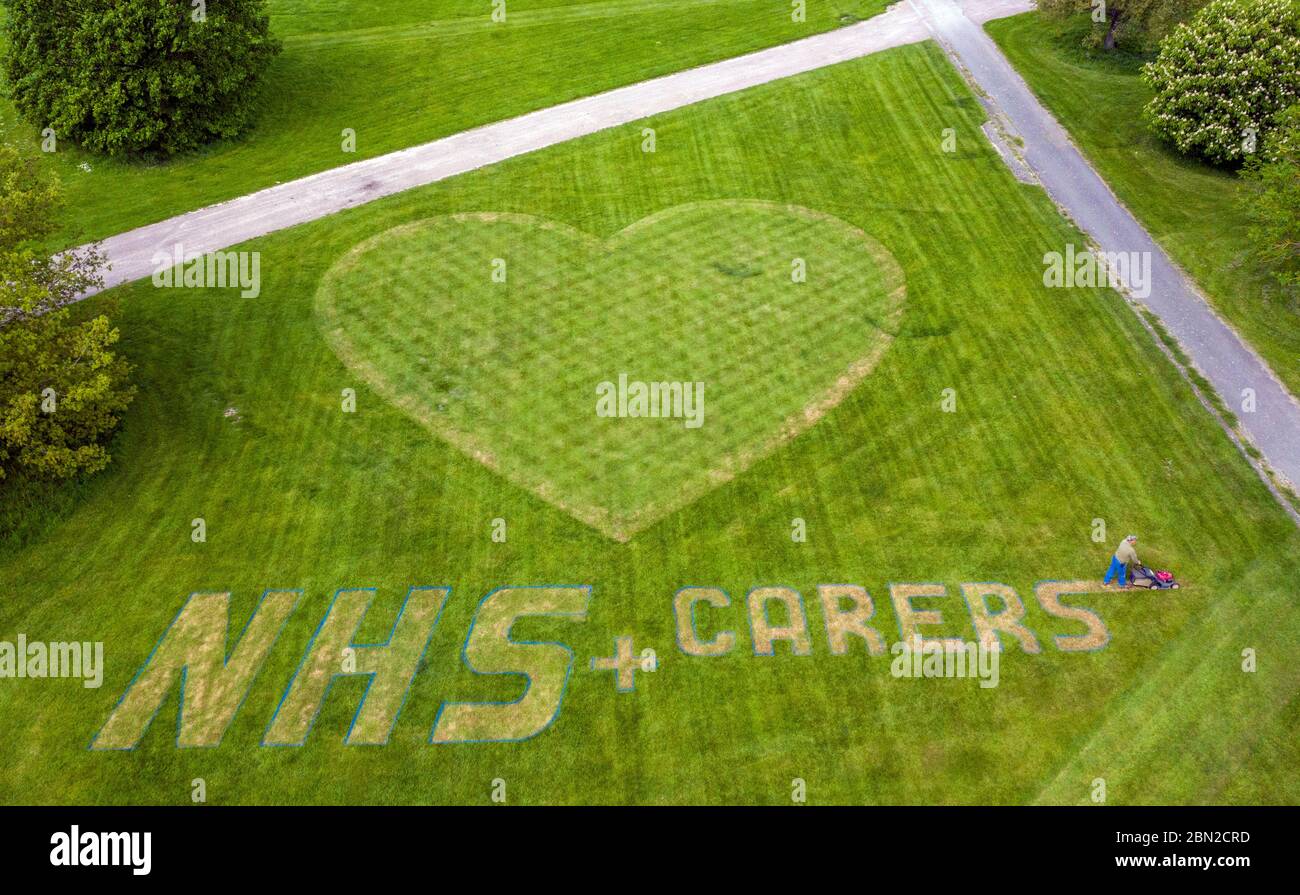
(1222, 78)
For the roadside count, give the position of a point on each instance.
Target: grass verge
(1066, 413)
(403, 72)
(1193, 210)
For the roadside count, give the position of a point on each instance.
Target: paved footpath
(220, 226)
(1216, 350)
(230, 223)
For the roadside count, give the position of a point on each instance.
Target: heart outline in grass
(618, 524)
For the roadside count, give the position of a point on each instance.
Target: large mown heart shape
(507, 335)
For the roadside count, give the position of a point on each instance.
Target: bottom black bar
(339, 846)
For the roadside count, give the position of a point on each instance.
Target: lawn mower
(1143, 576)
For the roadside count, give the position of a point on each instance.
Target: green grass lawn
(403, 72)
(698, 299)
(1193, 210)
(239, 422)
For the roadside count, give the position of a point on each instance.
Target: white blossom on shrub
(1222, 78)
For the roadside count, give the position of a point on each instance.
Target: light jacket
(1126, 554)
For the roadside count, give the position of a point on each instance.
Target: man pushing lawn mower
(1125, 567)
(1125, 556)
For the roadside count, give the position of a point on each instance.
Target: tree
(1274, 200)
(62, 388)
(1222, 78)
(1136, 24)
(144, 77)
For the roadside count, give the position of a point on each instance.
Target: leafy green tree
(144, 77)
(1138, 25)
(1222, 78)
(1274, 200)
(62, 388)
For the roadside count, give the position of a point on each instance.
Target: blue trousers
(1117, 569)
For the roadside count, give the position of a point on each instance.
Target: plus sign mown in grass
(624, 663)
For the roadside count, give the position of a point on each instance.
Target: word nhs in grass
(210, 677)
